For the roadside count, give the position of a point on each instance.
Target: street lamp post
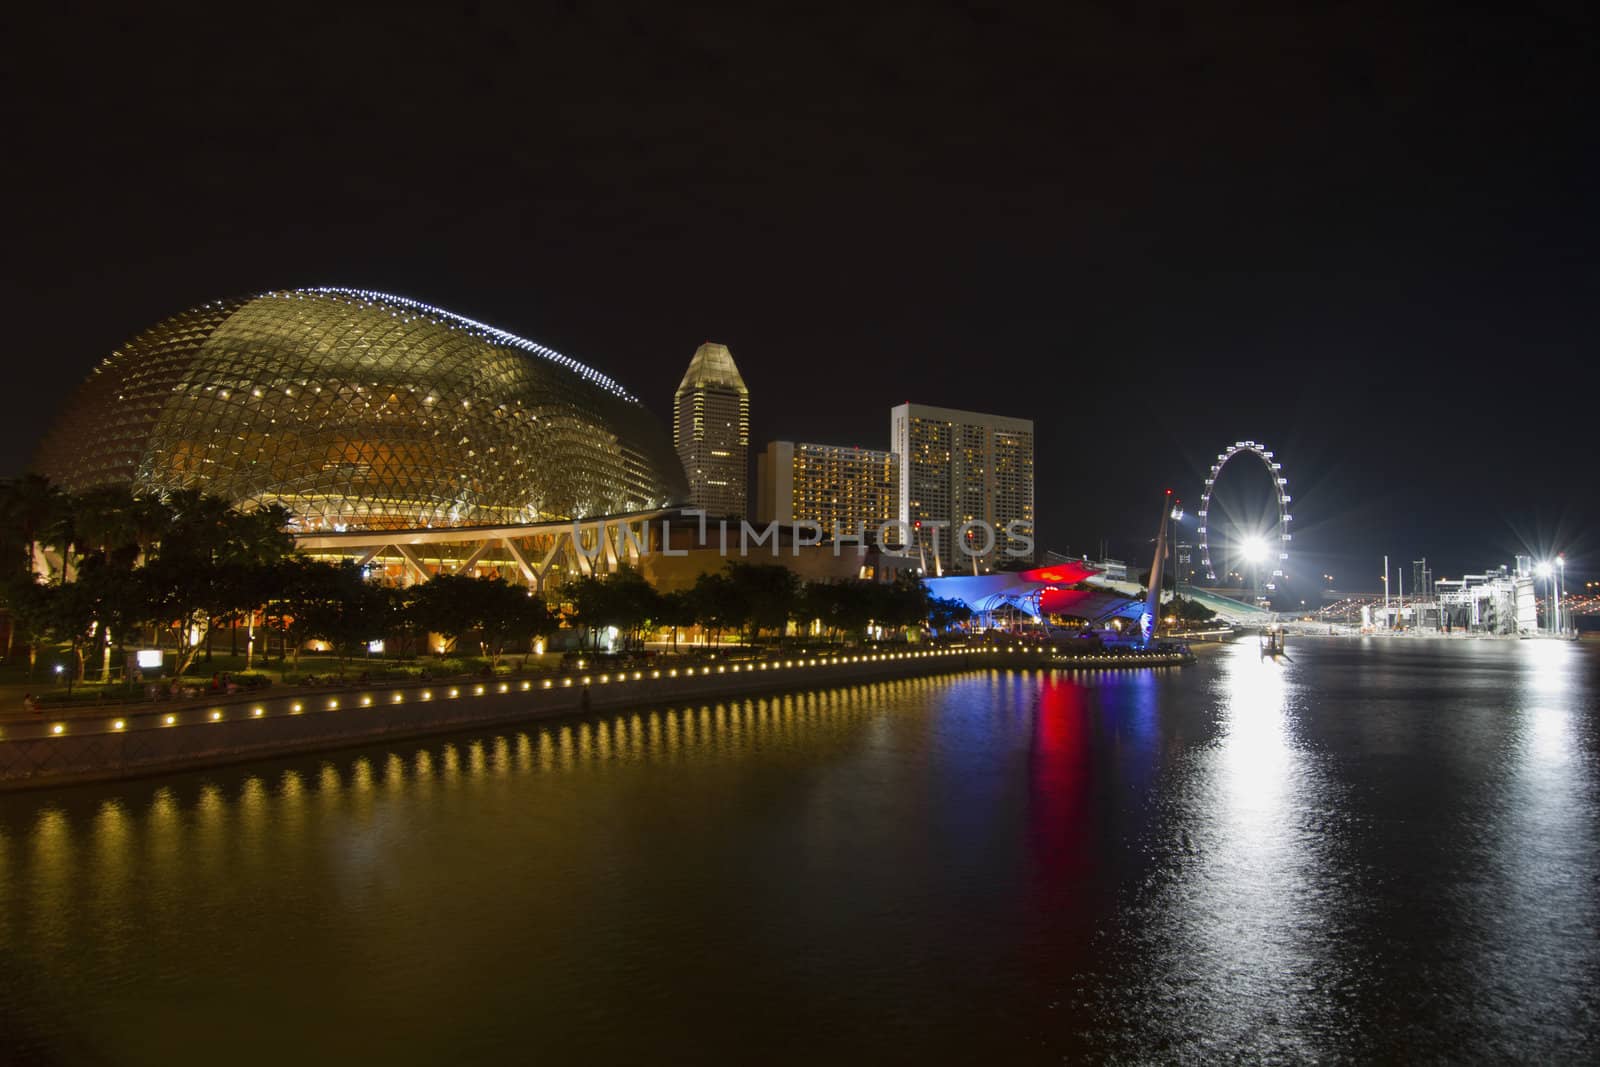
(1547, 572)
(1561, 576)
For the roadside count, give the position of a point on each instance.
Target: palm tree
(27, 506)
(105, 523)
(151, 520)
(62, 532)
(30, 505)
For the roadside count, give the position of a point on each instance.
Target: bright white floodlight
(1543, 569)
(1254, 549)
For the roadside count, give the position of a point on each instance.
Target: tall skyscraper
(958, 467)
(835, 486)
(711, 430)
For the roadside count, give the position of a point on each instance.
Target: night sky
(1364, 236)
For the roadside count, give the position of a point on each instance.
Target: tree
(842, 607)
(902, 603)
(457, 604)
(510, 615)
(118, 599)
(69, 613)
(1189, 611)
(184, 593)
(104, 524)
(718, 603)
(211, 562)
(446, 604)
(676, 609)
(767, 592)
(623, 599)
(334, 602)
(821, 602)
(943, 613)
(29, 506)
(27, 601)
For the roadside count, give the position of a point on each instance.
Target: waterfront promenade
(113, 742)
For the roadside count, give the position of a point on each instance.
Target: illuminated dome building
(362, 411)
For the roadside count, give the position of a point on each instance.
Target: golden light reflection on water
(254, 813)
(205, 839)
(53, 865)
(112, 837)
(361, 776)
(6, 890)
(394, 773)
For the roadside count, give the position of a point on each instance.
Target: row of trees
(93, 570)
(96, 572)
(755, 601)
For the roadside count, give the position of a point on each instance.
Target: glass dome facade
(359, 410)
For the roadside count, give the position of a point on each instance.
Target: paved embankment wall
(109, 743)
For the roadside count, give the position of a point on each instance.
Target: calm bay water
(1368, 850)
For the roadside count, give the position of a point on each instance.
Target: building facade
(838, 487)
(958, 467)
(357, 411)
(711, 431)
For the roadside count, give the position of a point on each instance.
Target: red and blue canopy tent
(1038, 592)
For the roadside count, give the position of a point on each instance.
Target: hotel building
(837, 487)
(958, 467)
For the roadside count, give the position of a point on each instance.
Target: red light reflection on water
(1059, 777)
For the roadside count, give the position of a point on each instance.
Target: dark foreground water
(1365, 851)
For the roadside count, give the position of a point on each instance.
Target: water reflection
(1530, 913)
(1354, 853)
(1238, 941)
(1061, 771)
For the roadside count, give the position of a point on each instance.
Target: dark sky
(1364, 235)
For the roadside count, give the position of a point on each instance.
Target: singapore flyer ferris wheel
(1268, 546)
